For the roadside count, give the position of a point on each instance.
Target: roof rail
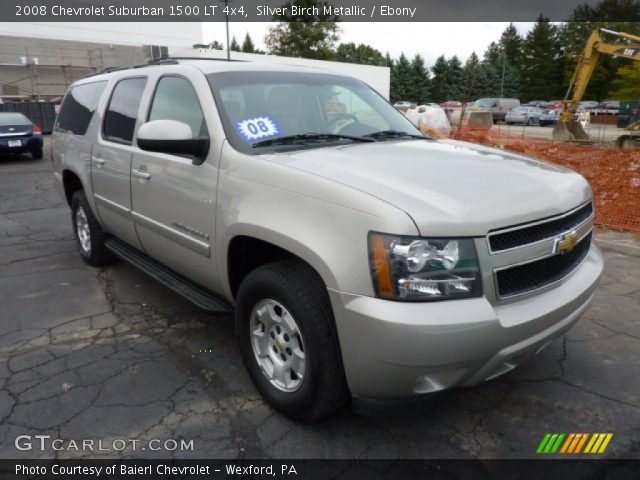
(173, 60)
(159, 61)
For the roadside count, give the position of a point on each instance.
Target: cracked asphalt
(108, 353)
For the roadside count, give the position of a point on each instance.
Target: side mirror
(173, 137)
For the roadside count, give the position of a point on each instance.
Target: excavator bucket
(478, 120)
(569, 131)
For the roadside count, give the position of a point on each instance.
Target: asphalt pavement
(110, 355)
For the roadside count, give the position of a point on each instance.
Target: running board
(196, 294)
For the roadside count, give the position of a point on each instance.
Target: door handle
(98, 160)
(142, 173)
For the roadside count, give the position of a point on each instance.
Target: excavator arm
(567, 128)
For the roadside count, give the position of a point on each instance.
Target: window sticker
(257, 128)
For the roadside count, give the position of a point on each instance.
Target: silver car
(360, 258)
(524, 115)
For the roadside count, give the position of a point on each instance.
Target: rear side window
(14, 119)
(175, 99)
(78, 107)
(122, 112)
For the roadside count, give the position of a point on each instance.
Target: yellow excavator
(567, 128)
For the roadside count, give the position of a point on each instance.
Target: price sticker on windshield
(258, 128)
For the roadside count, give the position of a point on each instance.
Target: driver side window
(343, 106)
(176, 99)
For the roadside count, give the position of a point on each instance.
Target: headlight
(420, 269)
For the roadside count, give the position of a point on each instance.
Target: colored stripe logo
(574, 443)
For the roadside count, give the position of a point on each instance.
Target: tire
(88, 233)
(530, 122)
(37, 154)
(296, 290)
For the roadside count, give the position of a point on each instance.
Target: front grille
(540, 231)
(534, 275)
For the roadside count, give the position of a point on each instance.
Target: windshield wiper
(303, 137)
(384, 134)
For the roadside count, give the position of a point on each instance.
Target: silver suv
(361, 258)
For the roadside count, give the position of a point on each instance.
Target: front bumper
(401, 350)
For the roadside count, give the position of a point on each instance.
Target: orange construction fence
(614, 173)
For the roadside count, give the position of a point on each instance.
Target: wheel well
(71, 183)
(247, 253)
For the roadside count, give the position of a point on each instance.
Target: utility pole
(504, 67)
(226, 21)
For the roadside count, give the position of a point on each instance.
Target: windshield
(257, 108)
(13, 119)
(485, 102)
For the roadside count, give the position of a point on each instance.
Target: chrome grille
(514, 237)
(531, 276)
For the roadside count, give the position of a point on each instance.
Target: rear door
(111, 158)
(173, 197)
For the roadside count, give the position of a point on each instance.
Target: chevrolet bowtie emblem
(565, 243)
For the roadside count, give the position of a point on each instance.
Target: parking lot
(108, 353)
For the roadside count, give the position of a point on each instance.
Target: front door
(173, 197)
(111, 159)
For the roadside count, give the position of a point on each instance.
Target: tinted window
(120, 119)
(175, 99)
(78, 107)
(14, 119)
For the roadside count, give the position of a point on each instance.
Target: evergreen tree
(388, 61)
(300, 36)
(541, 65)
(470, 73)
(511, 45)
(247, 45)
(440, 89)
(216, 45)
(456, 79)
(401, 79)
(420, 77)
(235, 46)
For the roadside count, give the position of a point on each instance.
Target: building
(38, 61)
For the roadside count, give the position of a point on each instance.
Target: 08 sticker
(257, 128)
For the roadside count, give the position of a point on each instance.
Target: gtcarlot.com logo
(574, 443)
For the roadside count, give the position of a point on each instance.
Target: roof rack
(174, 60)
(159, 61)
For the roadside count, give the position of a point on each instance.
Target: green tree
(541, 62)
(626, 86)
(511, 45)
(440, 88)
(420, 79)
(235, 46)
(401, 79)
(470, 73)
(362, 54)
(247, 45)
(573, 36)
(456, 79)
(216, 45)
(388, 61)
(304, 36)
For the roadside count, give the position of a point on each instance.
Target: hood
(448, 187)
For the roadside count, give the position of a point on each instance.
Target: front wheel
(286, 332)
(88, 232)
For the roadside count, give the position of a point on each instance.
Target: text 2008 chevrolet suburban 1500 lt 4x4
(360, 257)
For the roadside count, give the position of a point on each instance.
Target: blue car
(18, 134)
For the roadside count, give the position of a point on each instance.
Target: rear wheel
(37, 154)
(285, 328)
(88, 232)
